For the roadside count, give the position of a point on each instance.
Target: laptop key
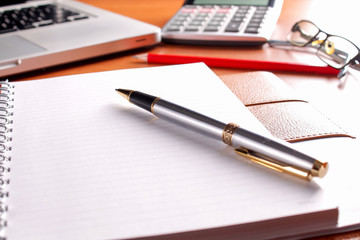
(39, 16)
(6, 26)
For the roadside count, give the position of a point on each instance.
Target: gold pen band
(153, 104)
(228, 133)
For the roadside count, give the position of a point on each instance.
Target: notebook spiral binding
(6, 113)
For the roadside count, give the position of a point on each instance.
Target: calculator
(223, 22)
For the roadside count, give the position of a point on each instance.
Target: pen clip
(274, 164)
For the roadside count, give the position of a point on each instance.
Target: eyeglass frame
(351, 63)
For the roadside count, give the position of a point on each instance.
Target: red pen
(238, 63)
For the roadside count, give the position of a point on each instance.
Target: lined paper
(89, 165)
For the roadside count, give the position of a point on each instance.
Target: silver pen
(257, 148)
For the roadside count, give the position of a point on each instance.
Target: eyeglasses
(336, 51)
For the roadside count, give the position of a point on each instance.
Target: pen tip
(124, 92)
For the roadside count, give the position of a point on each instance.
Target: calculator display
(234, 2)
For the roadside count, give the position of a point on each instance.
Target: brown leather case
(285, 115)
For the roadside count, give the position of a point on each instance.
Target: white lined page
(89, 165)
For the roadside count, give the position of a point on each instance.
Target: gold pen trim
(153, 104)
(228, 132)
(276, 165)
(319, 169)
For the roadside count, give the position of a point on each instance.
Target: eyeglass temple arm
(295, 28)
(355, 63)
(336, 55)
(274, 43)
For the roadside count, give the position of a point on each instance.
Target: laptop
(42, 33)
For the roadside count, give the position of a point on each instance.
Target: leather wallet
(286, 115)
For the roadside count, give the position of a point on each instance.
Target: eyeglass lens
(337, 51)
(302, 33)
(333, 50)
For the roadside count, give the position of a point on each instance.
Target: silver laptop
(43, 33)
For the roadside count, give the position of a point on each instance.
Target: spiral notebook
(79, 162)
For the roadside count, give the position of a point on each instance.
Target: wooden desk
(159, 12)
(321, 90)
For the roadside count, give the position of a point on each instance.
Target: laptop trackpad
(16, 46)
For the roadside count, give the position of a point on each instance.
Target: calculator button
(258, 16)
(184, 11)
(261, 12)
(262, 8)
(256, 20)
(215, 23)
(177, 22)
(202, 15)
(206, 10)
(183, 17)
(233, 27)
(254, 25)
(219, 16)
(174, 28)
(211, 28)
(237, 19)
(242, 11)
(223, 10)
(252, 30)
(244, 8)
(195, 23)
(199, 19)
(191, 28)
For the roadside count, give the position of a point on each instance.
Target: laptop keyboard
(39, 16)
